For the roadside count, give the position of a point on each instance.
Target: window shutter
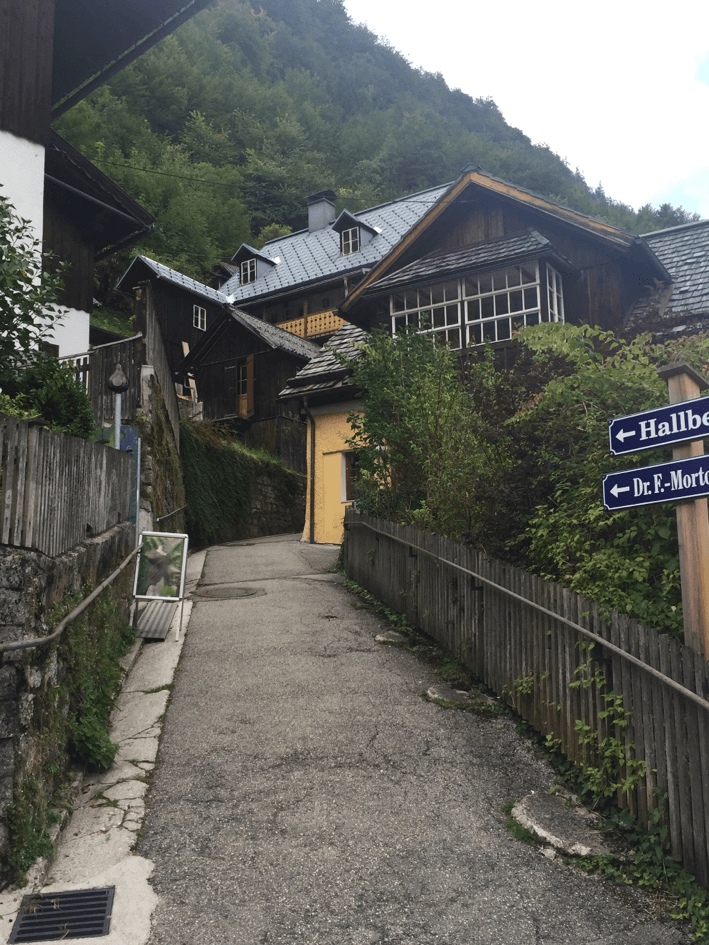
(249, 385)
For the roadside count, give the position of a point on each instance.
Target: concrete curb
(95, 841)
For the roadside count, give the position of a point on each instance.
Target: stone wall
(277, 503)
(31, 585)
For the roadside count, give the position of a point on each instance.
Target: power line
(148, 170)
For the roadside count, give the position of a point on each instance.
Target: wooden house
(490, 258)
(298, 281)
(485, 259)
(52, 54)
(185, 308)
(237, 369)
(230, 362)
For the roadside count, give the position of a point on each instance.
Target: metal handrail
(170, 514)
(698, 700)
(38, 641)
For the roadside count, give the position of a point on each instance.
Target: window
(199, 317)
(435, 310)
(242, 379)
(350, 241)
(248, 271)
(491, 306)
(350, 474)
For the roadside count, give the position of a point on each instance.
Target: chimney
(321, 210)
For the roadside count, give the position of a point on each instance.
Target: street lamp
(118, 383)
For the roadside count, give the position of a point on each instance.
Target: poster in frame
(160, 571)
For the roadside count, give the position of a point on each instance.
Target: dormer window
(248, 271)
(350, 241)
(354, 234)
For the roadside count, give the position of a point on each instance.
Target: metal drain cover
(228, 592)
(85, 913)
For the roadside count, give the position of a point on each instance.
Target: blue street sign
(665, 482)
(676, 423)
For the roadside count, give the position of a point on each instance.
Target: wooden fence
(93, 369)
(530, 657)
(55, 489)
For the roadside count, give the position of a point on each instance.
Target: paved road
(306, 793)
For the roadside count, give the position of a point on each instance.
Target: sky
(618, 88)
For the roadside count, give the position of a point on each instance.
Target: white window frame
(248, 271)
(199, 317)
(489, 306)
(350, 242)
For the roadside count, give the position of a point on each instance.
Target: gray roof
(438, 265)
(684, 251)
(326, 371)
(175, 277)
(277, 337)
(310, 257)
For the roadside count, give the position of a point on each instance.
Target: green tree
(28, 294)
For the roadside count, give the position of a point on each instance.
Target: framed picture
(160, 572)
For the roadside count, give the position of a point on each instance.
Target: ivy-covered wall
(233, 492)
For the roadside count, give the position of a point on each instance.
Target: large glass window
(435, 310)
(491, 306)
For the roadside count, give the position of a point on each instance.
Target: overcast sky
(619, 88)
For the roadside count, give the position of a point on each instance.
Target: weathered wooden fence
(478, 609)
(93, 369)
(56, 489)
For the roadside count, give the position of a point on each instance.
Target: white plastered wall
(71, 332)
(22, 178)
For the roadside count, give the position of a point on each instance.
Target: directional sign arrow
(624, 434)
(665, 482)
(674, 423)
(616, 490)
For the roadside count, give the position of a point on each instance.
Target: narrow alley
(306, 792)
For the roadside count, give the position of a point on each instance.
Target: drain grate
(228, 592)
(85, 913)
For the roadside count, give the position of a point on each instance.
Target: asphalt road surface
(306, 793)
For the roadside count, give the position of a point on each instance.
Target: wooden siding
(530, 659)
(93, 370)
(601, 295)
(26, 47)
(56, 489)
(70, 243)
(173, 309)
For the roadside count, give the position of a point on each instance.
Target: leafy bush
(512, 460)
(46, 389)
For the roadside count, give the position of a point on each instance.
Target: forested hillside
(225, 127)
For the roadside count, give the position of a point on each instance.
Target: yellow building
(327, 399)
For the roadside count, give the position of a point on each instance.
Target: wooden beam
(684, 383)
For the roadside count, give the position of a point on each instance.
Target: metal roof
(171, 275)
(326, 371)
(277, 337)
(437, 266)
(684, 251)
(94, 39)
(307, 257)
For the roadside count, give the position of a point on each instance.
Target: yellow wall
(331, 432)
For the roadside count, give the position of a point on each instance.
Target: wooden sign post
(685, 383)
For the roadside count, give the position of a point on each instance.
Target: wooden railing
(312, 325)
(56, 490)
(533, 642)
